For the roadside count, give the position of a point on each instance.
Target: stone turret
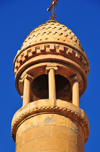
(51, 71)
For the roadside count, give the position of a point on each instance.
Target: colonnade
(52, 87)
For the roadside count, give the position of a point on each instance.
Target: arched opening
(39, 87)
(63, 86)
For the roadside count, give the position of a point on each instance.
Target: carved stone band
(63, 50)
(47, 106)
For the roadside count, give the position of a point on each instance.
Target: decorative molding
(73, 112)
(27, 76)
(74, 78)
(51, 49)
(55, 68)
(57, 32)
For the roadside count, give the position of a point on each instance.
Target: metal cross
(52, 7)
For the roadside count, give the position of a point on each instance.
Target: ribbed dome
(52, 31)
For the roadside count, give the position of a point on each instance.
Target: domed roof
(52, 31)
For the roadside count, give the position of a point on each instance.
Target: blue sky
(17, 19)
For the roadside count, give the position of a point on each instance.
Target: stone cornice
(78, 57)
(47, 106)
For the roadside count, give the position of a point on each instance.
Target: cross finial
(52, 7)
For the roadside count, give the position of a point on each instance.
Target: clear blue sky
(17, 19)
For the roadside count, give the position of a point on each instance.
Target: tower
(51, 71)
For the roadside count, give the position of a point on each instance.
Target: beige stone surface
(39, 114)
(75, 93)
(49, 132)
(51, 71)
(71, 147)
(26, 92)
(52, 85)
(52, 31)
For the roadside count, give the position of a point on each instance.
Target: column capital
(74, 78)
(28, 77)
(55, 68)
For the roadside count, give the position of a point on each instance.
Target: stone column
(51, 82)
(75, 92)
(52, 85)
(26, 90)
